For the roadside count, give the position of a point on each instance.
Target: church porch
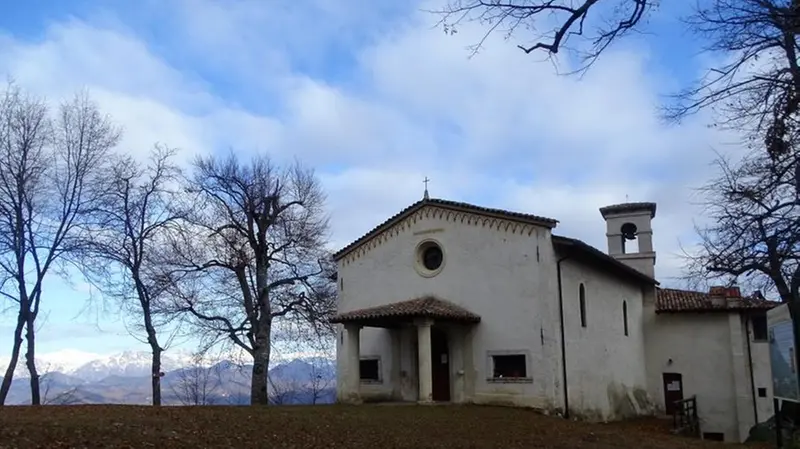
(430, 346)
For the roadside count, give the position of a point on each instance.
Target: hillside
(124, 379)
(330, 426)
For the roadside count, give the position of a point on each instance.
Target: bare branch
(755, 90)
(753, 207)
(197, 383)
(559, 19)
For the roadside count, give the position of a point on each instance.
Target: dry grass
(336, 426)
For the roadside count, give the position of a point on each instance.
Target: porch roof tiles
(424, 307)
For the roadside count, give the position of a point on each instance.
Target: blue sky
(375, 99)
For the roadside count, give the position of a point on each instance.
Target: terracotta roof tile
(517, 216)
(674, 300)
(425, 307)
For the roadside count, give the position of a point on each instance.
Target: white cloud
(501, 129)
(154, 102)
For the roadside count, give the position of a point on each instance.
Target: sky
(374, 97)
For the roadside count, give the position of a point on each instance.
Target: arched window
(625, 316)
(582, 300)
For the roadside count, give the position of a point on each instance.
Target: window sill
(371, 382)
(509, 380)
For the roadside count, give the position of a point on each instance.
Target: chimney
(725, 296)
(717, 295)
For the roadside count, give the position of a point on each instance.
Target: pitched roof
(424, 307)
(446, 204)
(579, 250)
(674, 300)
(629, 207)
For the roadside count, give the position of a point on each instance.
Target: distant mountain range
(125, 379)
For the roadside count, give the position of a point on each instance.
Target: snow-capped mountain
(64, 361)
(93, 367)
(125, 364)
(124, 379)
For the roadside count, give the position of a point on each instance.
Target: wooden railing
(684, 418)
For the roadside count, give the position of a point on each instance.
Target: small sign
(444, 359)
(675, 385)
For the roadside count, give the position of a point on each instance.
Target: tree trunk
(12, 364)
(258, 384)
(156, 374)
(30, 360)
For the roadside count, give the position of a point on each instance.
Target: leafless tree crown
(753, 209)
(755, 89)
(141, 205)
(254, 253)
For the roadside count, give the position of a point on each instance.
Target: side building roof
(670, 300)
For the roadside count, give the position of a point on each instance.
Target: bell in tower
(630, 234)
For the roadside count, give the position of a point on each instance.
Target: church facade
(452, 302)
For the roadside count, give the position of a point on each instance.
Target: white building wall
(762, 378)
(709, 350)
(762, 374)
(505, 275)
(606, 369)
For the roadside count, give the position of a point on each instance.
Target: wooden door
(440, 365)
(673, 391)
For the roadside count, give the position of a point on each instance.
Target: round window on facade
(430, 258)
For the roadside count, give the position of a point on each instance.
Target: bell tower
(630, 235)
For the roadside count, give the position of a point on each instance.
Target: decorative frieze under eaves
(438, 213)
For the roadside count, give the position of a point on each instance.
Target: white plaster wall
(700, 347)
(507, 278)
(606, 370)
(740, 367)
(762, 378)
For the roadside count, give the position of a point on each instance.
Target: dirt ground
(332, 426)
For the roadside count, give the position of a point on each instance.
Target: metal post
(776, 404)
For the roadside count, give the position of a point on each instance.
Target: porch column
(353, 351)
(397, 380)
(425, 376)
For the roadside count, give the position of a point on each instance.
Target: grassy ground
(368, 426)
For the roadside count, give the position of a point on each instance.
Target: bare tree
(282, 391)
(124, 256)
(753, 208)
(51, 394)
(309, 386)
(198, 383)
(254, 254)
(321, 378)
(318, 345)
(756, 88)
(550, 22)
(50, 178)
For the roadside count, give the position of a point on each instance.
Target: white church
(452, 302)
